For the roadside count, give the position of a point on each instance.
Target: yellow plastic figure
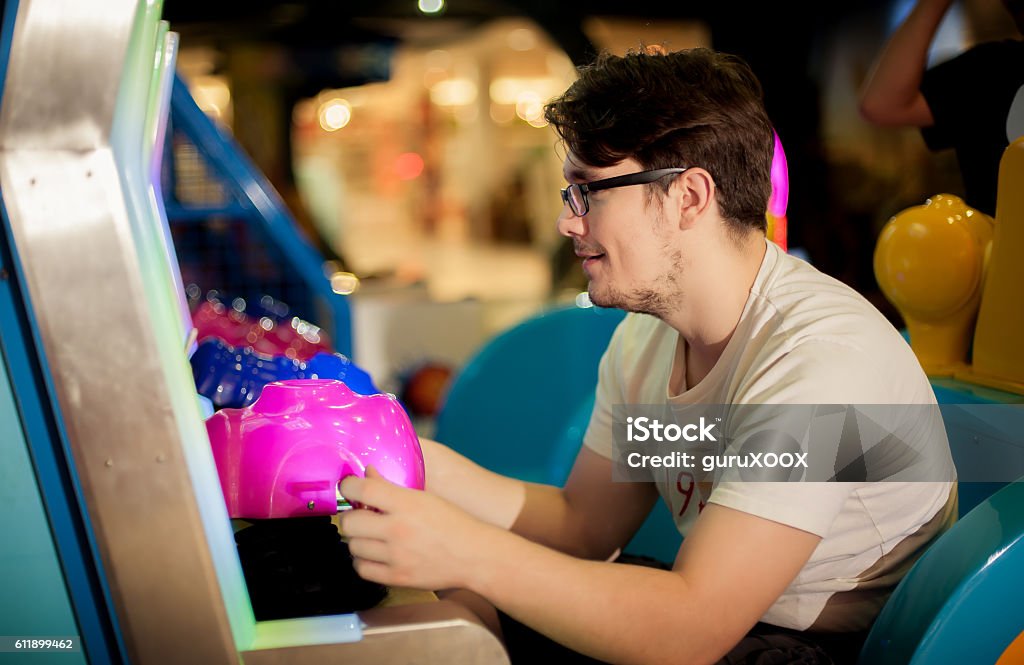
(930, 263)
(945, 265)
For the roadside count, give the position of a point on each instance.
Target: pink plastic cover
(285, 455)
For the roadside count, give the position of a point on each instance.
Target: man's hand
(410, 538)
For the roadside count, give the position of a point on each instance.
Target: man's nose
(570, 224)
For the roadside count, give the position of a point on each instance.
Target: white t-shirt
(803, 338)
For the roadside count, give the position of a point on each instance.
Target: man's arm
(590, 517)
(487, 496)
(891, 95)
(730, 569)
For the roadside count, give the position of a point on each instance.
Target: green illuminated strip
(142, 106)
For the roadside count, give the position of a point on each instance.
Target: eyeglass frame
(638, 178)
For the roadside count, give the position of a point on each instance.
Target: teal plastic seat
(521, 405)
(963, 601)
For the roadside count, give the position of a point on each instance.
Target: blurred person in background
(973, 103)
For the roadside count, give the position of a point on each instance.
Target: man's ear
(695, 195)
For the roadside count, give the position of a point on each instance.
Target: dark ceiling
(322, 23)
(311, 32)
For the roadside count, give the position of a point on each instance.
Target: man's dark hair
(695, 107)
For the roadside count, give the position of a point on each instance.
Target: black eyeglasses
(576, 195)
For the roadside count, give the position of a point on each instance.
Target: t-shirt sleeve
(598, 436)
(817, 372)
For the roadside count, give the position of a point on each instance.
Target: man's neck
(714, 302)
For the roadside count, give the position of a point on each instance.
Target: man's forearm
(613, 612)
(731, 569)
(537, 512)
(548, 518)
(486, 495)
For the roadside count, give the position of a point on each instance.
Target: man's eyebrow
(579, 174)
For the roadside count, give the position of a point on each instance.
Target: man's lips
(589, 259)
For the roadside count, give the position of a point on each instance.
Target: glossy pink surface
(285, 455)
(779, 199)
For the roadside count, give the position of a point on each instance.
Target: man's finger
(363, 524)
(373, 491)
(370, 549)
(371, 571)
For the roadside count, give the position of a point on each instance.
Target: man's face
(626, 242)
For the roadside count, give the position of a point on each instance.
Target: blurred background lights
(521, 39)
(335, 114)
(408, 165)
(453, 92)
(344, 283)
(583, 300)
(213, 96)
(503, 113)
(430, 6)
(529, 106)
(510, 89)
(304, 112)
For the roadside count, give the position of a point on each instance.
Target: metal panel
(82, 274)
(438, 633)
(70, 530)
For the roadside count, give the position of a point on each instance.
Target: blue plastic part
(952, 391)
(337, 366)
(961, 602)
(262, 204)
(234, 377)
(34, 597)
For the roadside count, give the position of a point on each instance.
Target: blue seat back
(521, 404)
(963, 601)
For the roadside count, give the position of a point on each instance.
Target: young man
(668, 159)
(973, 103)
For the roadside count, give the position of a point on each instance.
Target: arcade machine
(118, 535)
